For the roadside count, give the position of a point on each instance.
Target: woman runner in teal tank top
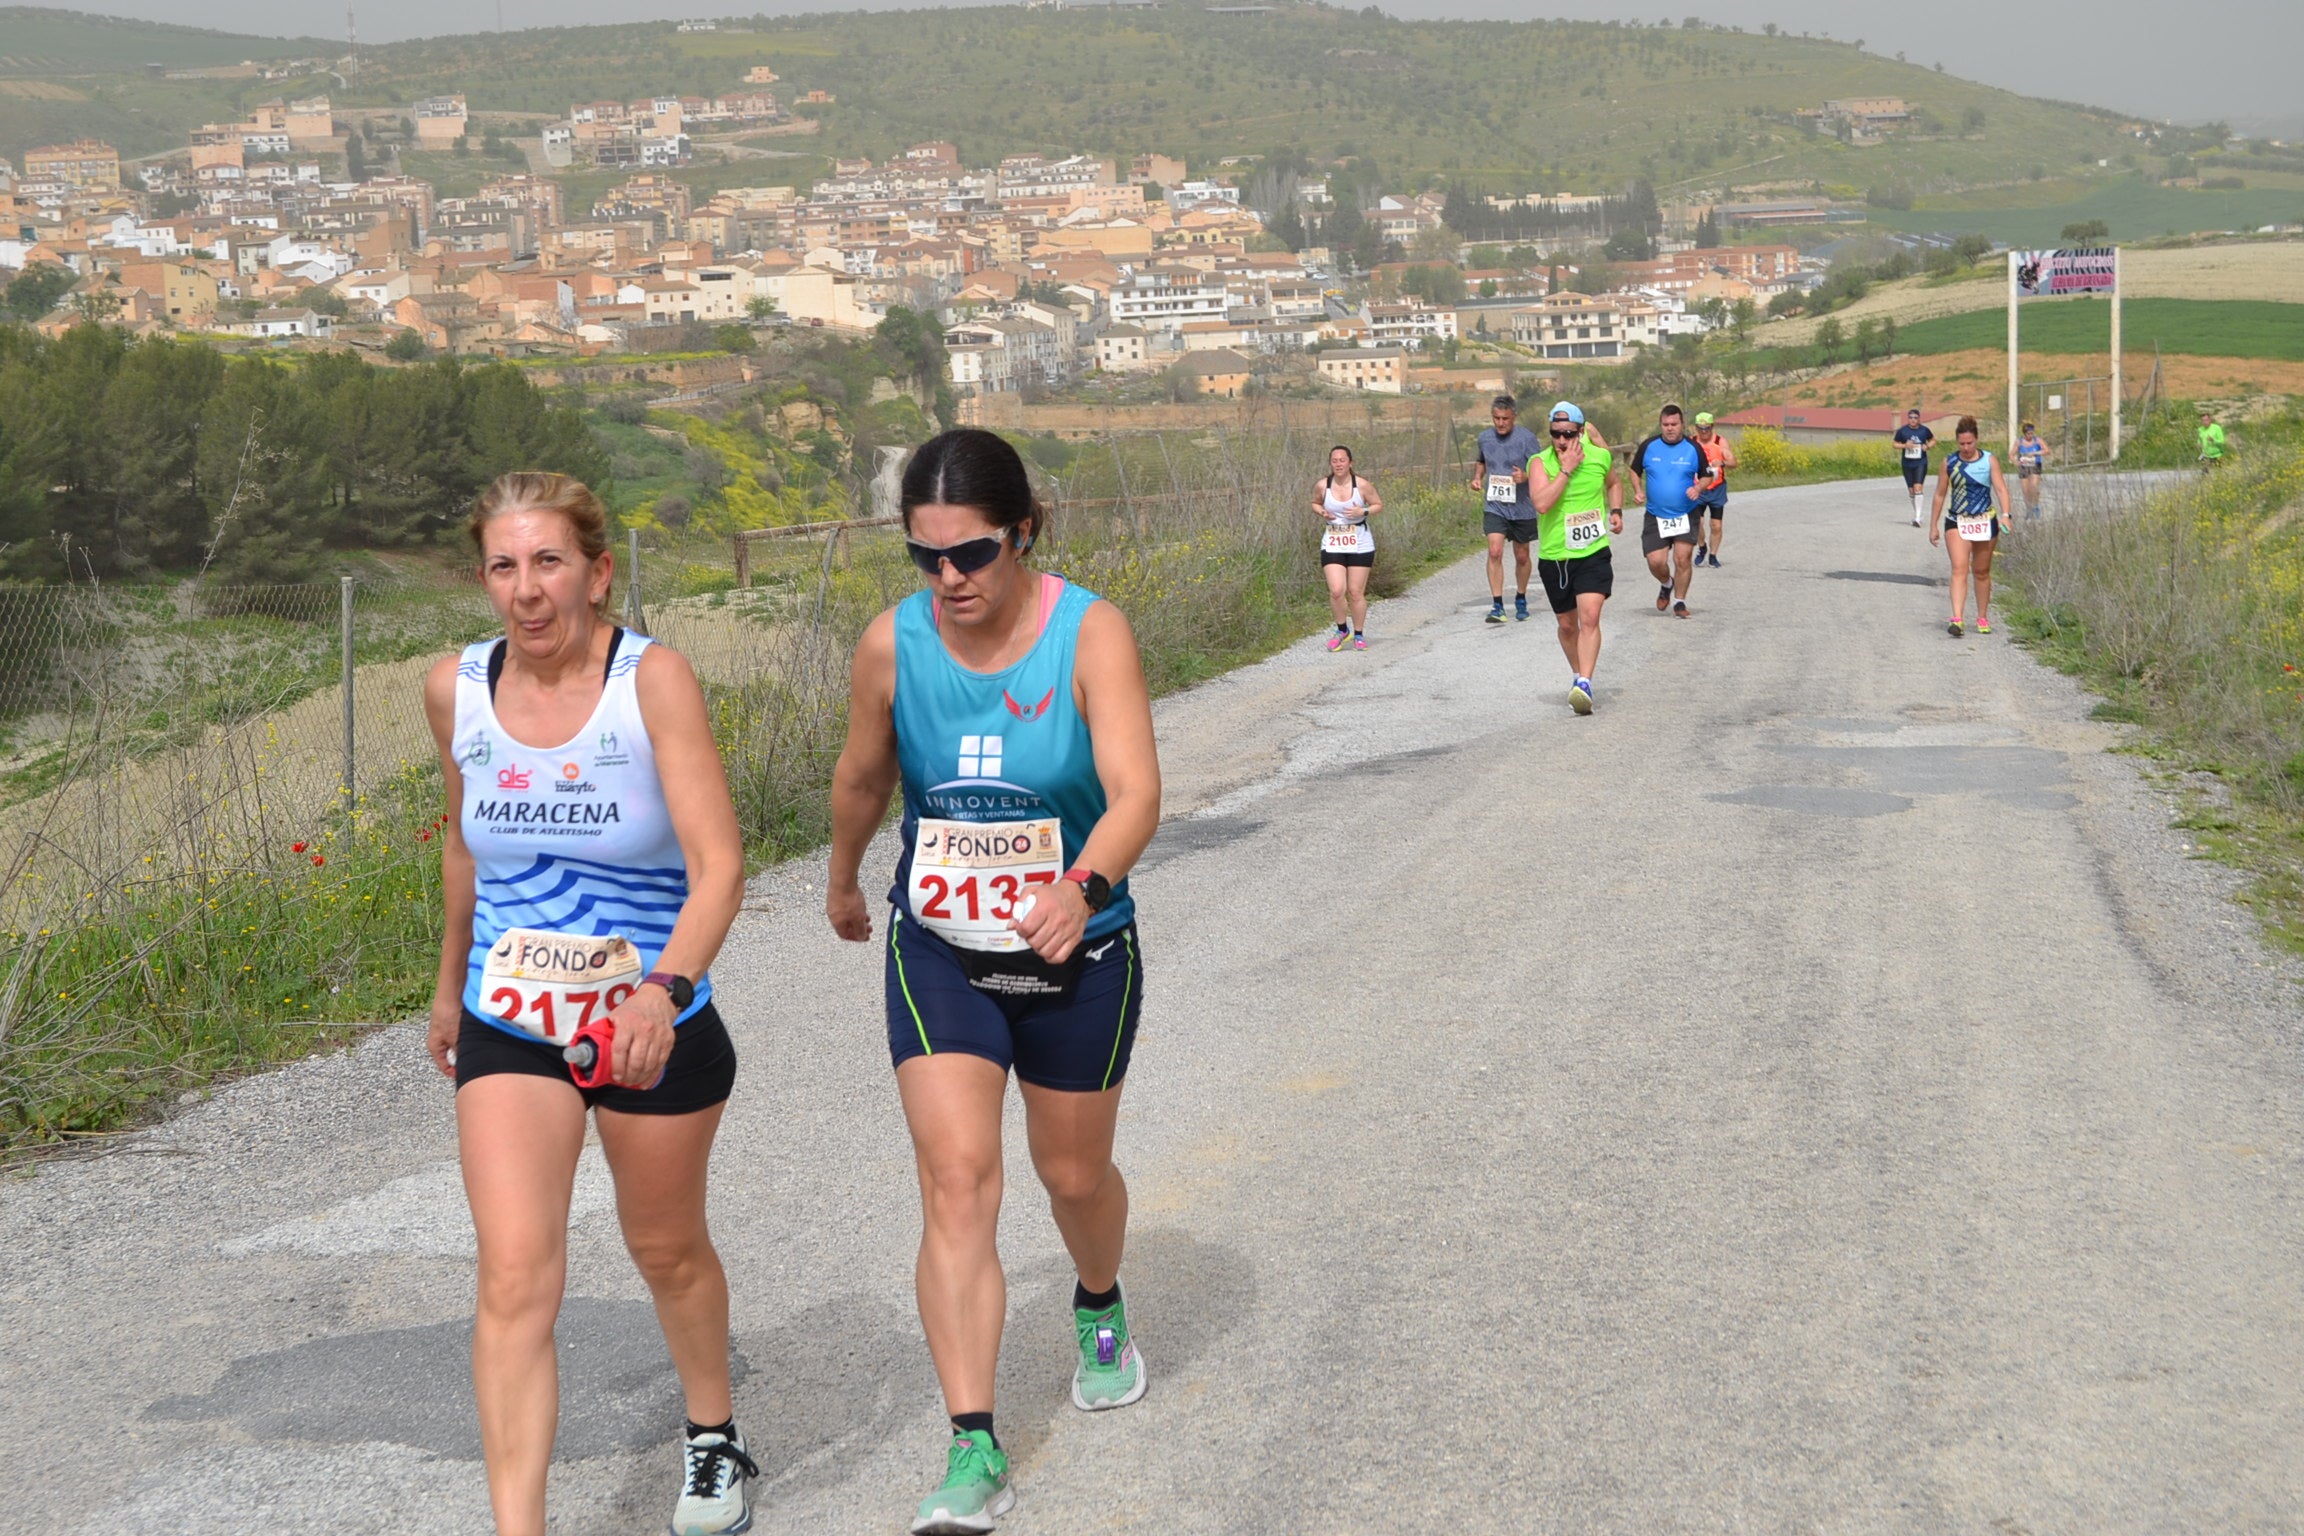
(1011, 708)
(1968, 495)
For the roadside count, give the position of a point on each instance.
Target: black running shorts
(1567, 580)
(1520, 530)
(699, 1074)
(1361, 557)
(1652, 541)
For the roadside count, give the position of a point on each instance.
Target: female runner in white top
(1343, 502)
(588, 815)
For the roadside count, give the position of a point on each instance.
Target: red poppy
(318, 860)
(295, 847)
(423, 837)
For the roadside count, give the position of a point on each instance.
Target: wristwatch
(1094, 888)
(682, 989)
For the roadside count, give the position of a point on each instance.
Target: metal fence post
(635, 616)
(350, 739)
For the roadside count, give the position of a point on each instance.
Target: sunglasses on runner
(1564, 436)
(968, 556)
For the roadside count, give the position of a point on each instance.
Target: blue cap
(1564, 408)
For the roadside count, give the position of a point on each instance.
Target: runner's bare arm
(1375, 502)
(696, 797)
(1727, 451)
(2000, 493)
(1544, 490)
(865, 777)
(1108, 686)
(456, 873)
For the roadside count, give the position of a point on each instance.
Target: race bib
(1503, 488)
(1914, 450)
(1671, 527)
(1976, 530)
(967, 877)
(551, 985)
(1341, 539)
(1586, 530)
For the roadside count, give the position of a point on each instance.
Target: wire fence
(220, 805)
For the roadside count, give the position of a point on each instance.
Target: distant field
(2262, 269)
(1976, 381)
(2196, 327)
(2135, 209)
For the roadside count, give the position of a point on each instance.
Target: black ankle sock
(1085, 1300)
(725, 1431)
(975, 1424)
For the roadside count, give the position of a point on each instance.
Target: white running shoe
(713, 1501)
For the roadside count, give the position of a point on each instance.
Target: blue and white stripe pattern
(568, 839)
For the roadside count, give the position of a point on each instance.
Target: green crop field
(2136, 209)
(2197, 327)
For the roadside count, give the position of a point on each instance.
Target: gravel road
(1818, 1092)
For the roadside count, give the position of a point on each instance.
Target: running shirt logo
(478, 753)
(1027, 712)
(1101, 950)
(980, 755)
(514, 777)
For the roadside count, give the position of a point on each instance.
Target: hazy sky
(2235, 59)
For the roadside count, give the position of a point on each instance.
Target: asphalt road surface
(1818, 1092)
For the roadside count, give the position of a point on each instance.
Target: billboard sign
(2045, 274)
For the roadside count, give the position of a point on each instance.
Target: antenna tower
(351, 36)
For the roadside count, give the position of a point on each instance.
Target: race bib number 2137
(967, 877)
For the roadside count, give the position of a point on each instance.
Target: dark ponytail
(969, 467)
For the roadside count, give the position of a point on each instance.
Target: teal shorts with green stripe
(1079, 1042)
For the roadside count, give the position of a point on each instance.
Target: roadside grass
(2184, 612)
(250, 917)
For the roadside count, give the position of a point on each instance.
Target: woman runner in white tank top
(1343, 501)
(591, 866)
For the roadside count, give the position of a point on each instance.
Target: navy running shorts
(699, 1074)
(1079, 1040)
(1916, 472)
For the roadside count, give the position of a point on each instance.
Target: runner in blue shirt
(1665, 470)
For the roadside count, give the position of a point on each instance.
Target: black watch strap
(682, 989)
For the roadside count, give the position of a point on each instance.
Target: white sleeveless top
(571, 839)
(1357, 540)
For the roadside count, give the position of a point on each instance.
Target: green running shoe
(1111, 1372)
(975, 1493)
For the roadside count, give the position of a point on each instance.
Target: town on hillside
(298, 227)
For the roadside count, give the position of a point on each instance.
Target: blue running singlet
(1000, 786)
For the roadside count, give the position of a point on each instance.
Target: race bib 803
(1586, 529)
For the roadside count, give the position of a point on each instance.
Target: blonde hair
(535, 490)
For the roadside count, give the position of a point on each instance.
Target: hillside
(1504, 106)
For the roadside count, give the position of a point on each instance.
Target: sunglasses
(1564, 436)
(967, 557)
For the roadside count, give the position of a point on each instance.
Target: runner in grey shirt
(1500, 475)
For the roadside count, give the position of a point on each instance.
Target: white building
(282, 323)
(1157, 301)
(1572, 327)
(1409, 324)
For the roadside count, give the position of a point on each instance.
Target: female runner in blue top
(1012, 707)
(1968, 495)
(592, 866)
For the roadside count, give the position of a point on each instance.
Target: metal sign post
(2115, 354)
(2014, 258)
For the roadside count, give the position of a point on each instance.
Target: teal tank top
(1971, 486)
(1000, 786)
